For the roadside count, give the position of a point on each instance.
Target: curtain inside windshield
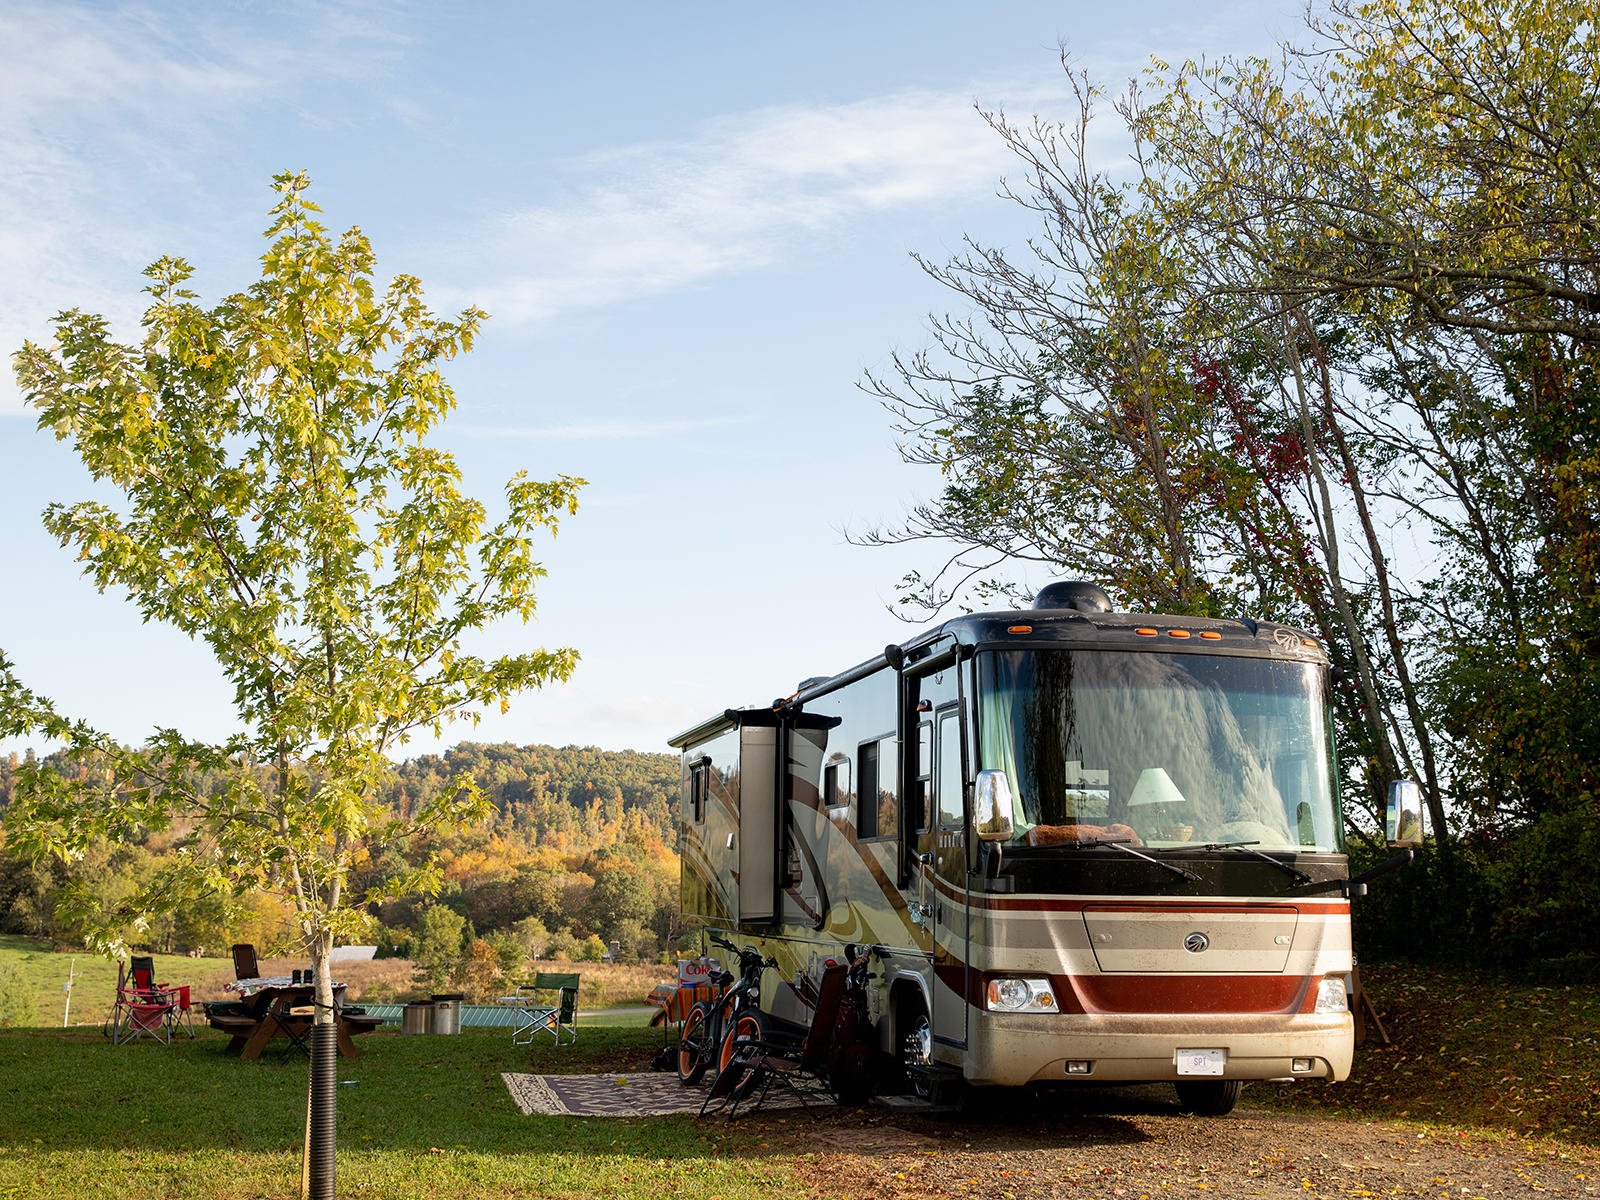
(1173, 749)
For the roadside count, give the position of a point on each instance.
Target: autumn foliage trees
(575, 853)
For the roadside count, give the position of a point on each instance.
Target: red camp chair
(142, 1009)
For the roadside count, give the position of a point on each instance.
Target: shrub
(18, 999)
(562, 945)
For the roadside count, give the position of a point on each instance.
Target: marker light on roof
(1180, 633)
(1211, 635)
(1145, 632)
(1020, 629)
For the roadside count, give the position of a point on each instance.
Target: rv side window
(867, 803)
(949, 770)
(886, 803)
(836, 788)
(698, 773)
(921, 808)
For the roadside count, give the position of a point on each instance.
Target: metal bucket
(447, 1013)
(417, 1017)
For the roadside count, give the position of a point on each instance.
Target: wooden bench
(249, 1034)
(238, 1027)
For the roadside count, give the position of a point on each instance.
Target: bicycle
(709, 1028)
(847, 1064)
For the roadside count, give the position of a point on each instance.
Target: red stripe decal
(1186, 993)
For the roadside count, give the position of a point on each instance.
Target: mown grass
(418, 1117)
(1469, 1049)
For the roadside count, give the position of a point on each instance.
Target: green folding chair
(553, 1014)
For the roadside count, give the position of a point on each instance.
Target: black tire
(748, 1031)
(693, 1052)
(1208, 1097)
(743, 1028)
(913, 1035)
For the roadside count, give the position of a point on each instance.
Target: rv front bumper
(1009, 1050)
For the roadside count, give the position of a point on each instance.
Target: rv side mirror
(991, 807)
(1403, 817)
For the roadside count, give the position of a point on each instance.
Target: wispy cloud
(113, 125)
(742, 193)
(594, 431)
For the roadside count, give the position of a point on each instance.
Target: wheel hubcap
(917, 1045)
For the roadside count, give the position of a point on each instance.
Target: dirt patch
(875, 1139)
(1134, 1143)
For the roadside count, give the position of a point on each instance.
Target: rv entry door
(949, 885)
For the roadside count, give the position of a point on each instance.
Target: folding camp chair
(536, 1012)
(294, 1021)
(244, 961)
(142, 1009)
(142, 977)
(798, 1064)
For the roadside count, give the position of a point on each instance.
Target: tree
(1419, 182)
(1342, 292)
(281, 502)
(437, 944)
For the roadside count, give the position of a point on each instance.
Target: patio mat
(645, 1095)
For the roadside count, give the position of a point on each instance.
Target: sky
(691, 225)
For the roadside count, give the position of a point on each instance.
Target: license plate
(1201, 1062)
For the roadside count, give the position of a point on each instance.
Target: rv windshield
(1172, 749)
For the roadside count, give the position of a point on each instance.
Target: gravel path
(1134, 1143)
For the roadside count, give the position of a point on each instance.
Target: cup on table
(295, 978)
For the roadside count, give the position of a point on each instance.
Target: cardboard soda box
(695, 972)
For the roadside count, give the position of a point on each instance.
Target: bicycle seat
(722, 978)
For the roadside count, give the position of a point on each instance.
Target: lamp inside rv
(1156, 793)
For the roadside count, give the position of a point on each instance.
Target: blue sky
(691, 226)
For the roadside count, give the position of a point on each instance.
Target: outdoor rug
(644, 1095)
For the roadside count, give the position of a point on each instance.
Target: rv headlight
(1021, 995)
(1331, 995)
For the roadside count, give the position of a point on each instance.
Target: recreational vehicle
(1089, 846)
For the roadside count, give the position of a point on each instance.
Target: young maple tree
(281, 503)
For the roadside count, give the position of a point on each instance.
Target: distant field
(44, 971)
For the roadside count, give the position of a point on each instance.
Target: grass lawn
(418, 1116)
(1469, 1050)
(430, 1116)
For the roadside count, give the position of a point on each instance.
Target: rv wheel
(1208, 1097)
(693, 1052)
(914, 1044)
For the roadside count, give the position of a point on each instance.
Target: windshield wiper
(1122, 844)
(1244, 848)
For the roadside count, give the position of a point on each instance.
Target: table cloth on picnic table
(675, 1002)
(248, 987)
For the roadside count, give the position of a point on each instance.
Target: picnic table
(674, 1002)
(277, 1007)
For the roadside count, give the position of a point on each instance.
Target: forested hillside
(577, 853)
